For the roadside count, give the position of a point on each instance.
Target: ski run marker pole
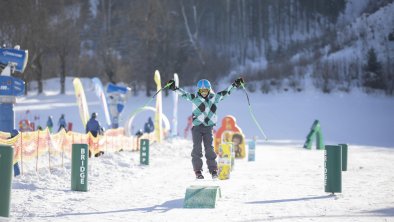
(252, 114)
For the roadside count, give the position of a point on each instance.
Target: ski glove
(238, 82)
(172, 85)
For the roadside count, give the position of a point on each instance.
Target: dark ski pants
(203, 134)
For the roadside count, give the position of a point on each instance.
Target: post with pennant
(79, 167)
(6, 155)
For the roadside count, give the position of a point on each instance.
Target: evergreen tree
(373, 73)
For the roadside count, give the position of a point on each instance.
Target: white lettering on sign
(82, 169)
(12, 54)
(3, 88)
(325, 168)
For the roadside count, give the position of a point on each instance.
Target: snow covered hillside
(365, 32)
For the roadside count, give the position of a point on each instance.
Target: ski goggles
(203, 91)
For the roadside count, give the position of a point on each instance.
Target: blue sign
(11, 86)
(120, 107)
(112, 88)
(252, 150)
(16, 57)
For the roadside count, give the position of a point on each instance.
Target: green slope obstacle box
(315, 132)
(201, 196)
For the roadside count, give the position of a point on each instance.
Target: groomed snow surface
(285, 183)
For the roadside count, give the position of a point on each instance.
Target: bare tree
(195, 20)
(37, 39)
(107, 53)
(66, 45)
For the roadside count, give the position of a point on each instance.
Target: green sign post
(344, 156)
(6, 156)
(333, 169)
(144, 151)
(79, 167)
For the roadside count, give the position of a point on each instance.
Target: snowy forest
(273, 44)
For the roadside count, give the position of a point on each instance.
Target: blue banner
(112, 88)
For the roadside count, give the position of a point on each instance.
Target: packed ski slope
(285, 183)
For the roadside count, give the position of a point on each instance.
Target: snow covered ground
(285, 183)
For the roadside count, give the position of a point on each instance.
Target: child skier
(204, 118)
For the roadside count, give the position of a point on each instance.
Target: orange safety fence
(31, 145)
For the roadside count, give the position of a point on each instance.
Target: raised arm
(184, 94)
(222, 94)
(180, 91)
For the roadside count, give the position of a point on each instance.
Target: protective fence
(30, 146)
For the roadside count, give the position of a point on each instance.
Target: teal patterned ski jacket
(204, 109)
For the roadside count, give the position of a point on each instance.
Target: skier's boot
(199, 174)
(214, 174)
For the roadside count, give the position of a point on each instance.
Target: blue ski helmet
(204, 84)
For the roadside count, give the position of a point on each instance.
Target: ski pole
(150, 100)
(252, 114)
(166, 86)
